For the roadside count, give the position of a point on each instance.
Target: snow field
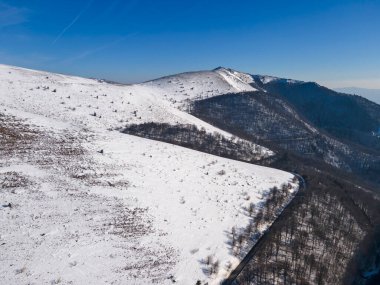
(93, 206)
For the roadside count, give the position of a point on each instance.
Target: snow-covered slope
(202, 84)
(265, 79)
(112, 106)
(75, 99)
(90, 205)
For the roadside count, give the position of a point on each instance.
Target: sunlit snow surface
(93, 206)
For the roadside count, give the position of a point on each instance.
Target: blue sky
(335, 43)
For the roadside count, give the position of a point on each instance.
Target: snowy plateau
(83, 203)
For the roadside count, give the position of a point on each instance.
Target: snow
(268, 79)
(191, 86)
(139, 211)
(239, 81)
(265, 79)
(75, 99)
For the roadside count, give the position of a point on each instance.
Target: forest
(323, 237)
(330, 231)
(191, 136)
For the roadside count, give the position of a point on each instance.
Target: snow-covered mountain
(190, 86)
(86, 204)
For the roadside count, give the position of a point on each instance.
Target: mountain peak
(221, 68)
(217, 68)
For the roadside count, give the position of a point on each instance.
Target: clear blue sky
(336, 43)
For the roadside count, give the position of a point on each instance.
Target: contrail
(97, 49)
(73, 22)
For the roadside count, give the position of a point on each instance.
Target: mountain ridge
(121, 143)
(114, 206)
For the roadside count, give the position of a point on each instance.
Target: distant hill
(344, 116)
(370, 94)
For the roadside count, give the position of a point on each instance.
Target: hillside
(160, 182)
(187, 87)
(271, 121)
(84, 203)
(309, 128)
(370, 94)
(333, 112)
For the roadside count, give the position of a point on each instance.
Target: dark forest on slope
(344, 116)
(327, 230)
(318, 232)
(198, 139)
(325, 236)
(330, 233)
(271, 121)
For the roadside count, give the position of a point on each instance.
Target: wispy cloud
(95, 50)
(11, 15)
(77, 17)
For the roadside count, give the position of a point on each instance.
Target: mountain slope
(344, 116)
(186, 87)
(370, 94)
(72, 98)
(304, 123)
(311, 120)
(111, 207)
(84, 203)
(269, 120)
